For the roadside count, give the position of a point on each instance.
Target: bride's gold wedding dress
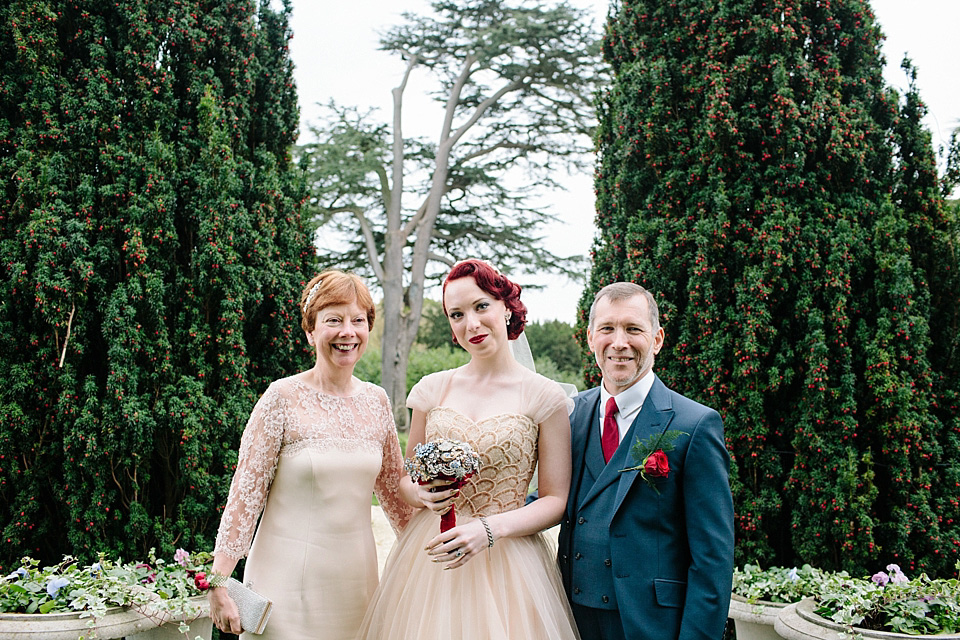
(510, 591)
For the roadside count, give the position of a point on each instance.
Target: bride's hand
(436, 495)
(458, 545)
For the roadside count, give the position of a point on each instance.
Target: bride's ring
(458, 553)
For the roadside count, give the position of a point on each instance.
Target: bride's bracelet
(486, 526)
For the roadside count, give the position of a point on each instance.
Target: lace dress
(511, 591)
(310, 462)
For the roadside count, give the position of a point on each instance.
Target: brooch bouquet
(650, 456)
(443, 459)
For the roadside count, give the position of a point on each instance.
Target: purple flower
(880, 578)
(896, 576)
(54, 586)
(151, 577)
(793, 575)
(181, 557)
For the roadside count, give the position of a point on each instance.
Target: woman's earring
(507, 317)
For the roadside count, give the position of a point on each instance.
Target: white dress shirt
(629, 403)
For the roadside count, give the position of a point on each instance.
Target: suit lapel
(654, 418)
(657, 421)
(583, 420)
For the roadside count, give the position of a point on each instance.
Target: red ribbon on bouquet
(443, 459)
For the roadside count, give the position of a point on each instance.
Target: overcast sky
(335, 49)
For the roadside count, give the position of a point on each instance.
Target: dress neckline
(362, 390)
(506, 414)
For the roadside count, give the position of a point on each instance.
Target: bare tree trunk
(394, 351)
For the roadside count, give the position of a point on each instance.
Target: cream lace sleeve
(387, 486)
(256, 465)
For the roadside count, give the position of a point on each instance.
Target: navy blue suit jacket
(672, 551)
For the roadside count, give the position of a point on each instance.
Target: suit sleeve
(708, 510)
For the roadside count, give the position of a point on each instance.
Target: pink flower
(181, 557)
(880, 578)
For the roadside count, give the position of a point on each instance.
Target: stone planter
(167, 627)
(119, 622)
(754, 621)
(202, 627)
(799, 622)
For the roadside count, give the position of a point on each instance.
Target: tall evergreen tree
(153, 256)
(759, 177)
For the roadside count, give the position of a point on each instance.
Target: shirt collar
(630, 400)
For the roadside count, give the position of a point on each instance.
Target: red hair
(334, 288)
(496, 285)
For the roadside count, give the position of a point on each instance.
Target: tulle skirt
(511, 591)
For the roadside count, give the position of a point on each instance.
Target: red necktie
(610, 439)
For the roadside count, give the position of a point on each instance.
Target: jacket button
(578, 556)
(607, 562)
(605, 599)
(576, 590)
(580, 520)
(564, 556)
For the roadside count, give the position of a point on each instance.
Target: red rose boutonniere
(651, 457)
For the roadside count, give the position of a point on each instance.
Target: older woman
(316, 446)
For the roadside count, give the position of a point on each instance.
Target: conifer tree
(756, 173)
(153, 256)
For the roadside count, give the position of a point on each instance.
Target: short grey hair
(622, 291)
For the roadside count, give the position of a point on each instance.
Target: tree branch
(482, 108)
(415, 219)
(367, 230)
(500, 145)
(66, 338)
(395, 201)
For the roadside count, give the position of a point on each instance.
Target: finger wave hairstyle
(495, 284)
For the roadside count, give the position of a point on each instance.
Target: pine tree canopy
(153, 256)
(783, 205)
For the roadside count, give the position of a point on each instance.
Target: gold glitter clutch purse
(254, 609)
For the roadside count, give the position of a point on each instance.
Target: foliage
(157, 589)
(152, 257)
(435, 329)
(552, 343)
(920, 606)
(554, 339)
(426, 361)
(780, 584)
(782, 204)
(548, 369)
(514, 81)
(422, 362)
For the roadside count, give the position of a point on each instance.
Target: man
(644, 555)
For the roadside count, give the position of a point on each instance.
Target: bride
(494, 575)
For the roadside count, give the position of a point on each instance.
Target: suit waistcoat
(591, 568)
